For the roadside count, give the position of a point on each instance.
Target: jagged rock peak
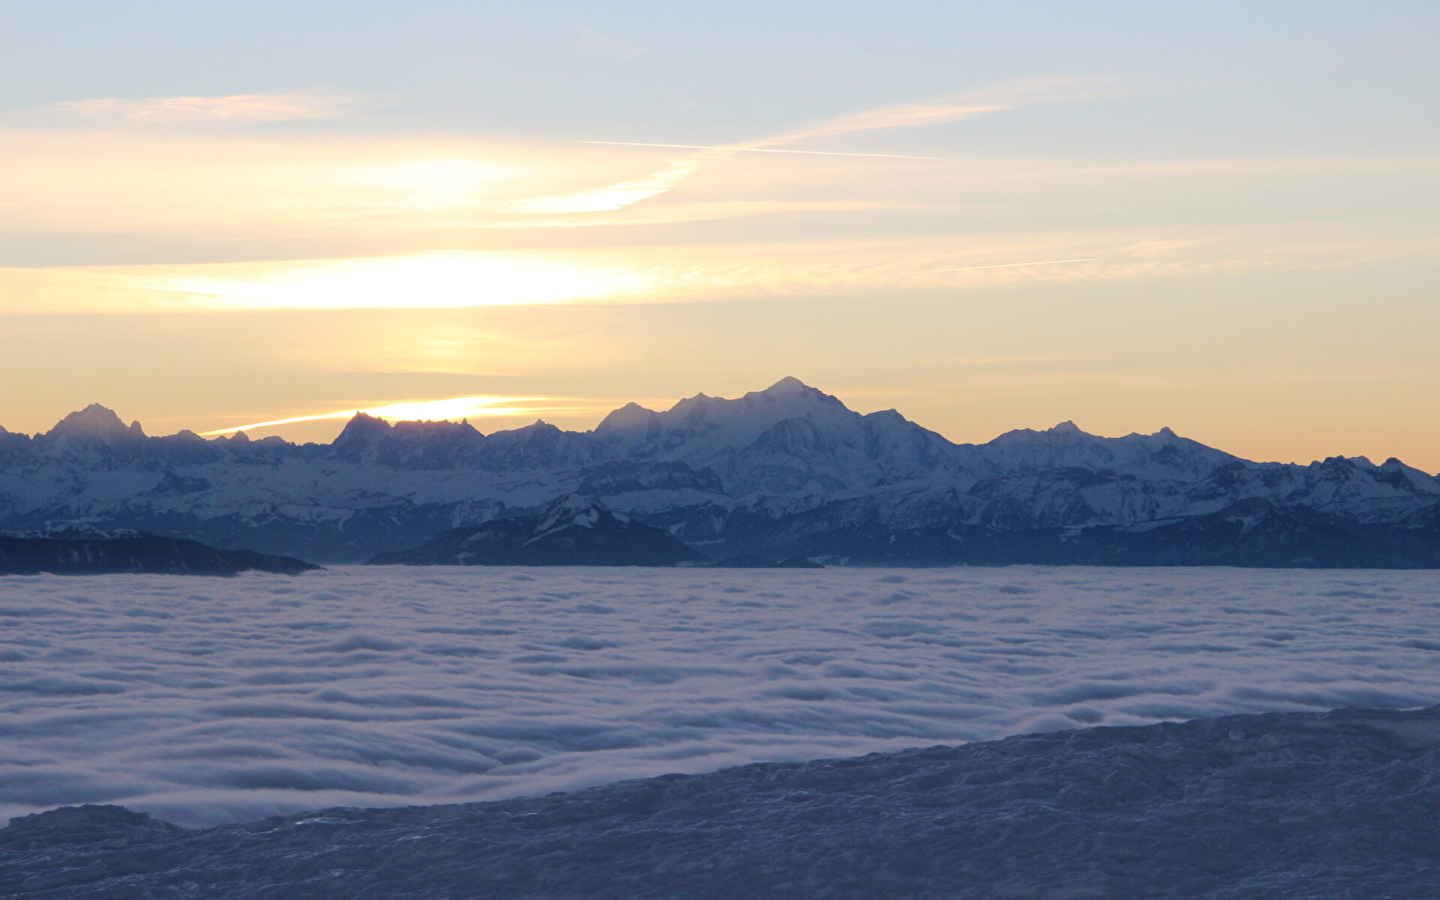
(1066, 430)
(361, 427)
(538, 430)
(96, 421)
(435, 427)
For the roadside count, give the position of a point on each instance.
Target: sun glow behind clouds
(445, 280)
(431, 184)
(451, 409)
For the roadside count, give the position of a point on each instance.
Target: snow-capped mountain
(771, 472)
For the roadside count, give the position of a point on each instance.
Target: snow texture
(1330, 806)
(204, 702)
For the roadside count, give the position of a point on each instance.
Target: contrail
(1043, 262)
(943, 110)
(273, 422)
(733, 148)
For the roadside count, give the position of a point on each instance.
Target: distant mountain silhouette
(785, 472)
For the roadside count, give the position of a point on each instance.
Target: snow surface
(209, 701)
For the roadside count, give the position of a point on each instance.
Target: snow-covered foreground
(207, 701)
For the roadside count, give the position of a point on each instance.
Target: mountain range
(782, 472)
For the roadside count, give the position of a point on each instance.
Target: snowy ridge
(717, 473)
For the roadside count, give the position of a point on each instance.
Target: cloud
(648, 274)
(501, 683)
(271, 106)
(614, 196)
(605, 45)
(1009, 265)
(942, 110)
(728, 148)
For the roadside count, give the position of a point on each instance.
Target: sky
(1219, 217)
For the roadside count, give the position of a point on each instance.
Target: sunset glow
(453, 409)
(430, 429)
(430, 280)
(638, 208)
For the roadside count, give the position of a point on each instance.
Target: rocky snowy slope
(1317, 805)
(572, 531)
(776, 472)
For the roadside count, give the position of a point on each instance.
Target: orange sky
(1221, 223)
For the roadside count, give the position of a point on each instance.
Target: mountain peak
(788, 385)
(574, 510)
(96, 421)
(573, 504)
(791, 388)
(362, 427)
(630, 417)
(1066, 427)
(435, 428)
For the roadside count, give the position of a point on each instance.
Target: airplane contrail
(942, 110)
(733, 148)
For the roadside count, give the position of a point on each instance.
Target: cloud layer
(206, 701)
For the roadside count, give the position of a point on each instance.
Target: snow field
(206, 701)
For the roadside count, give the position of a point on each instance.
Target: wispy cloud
(632, 274)
(270, 106)
(605, 45)
(614, 196)
(943, 110)
(1006, 265)
(730, 148)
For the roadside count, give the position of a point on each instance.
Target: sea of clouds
(206, 701)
